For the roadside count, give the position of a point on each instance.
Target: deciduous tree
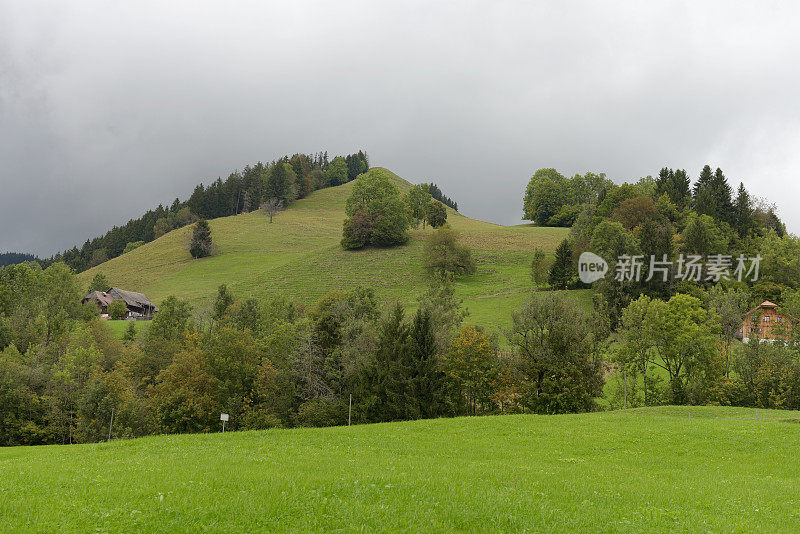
(473, 364)
(444, 256)
(436, 214)
(271, 206)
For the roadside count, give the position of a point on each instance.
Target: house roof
(101, 296)
(131, 298)
(767, 304)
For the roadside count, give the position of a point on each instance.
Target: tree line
(286, 179)
(666, 218)
(676, 336)
(12, 258)
(274, 363)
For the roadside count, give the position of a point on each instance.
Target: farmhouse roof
(131, 298)
(101, 296)
(767, 304)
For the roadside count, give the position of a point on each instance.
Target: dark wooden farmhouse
(101, 299)
(137, 305)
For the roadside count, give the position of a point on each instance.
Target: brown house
(101, 299)
(766, 323)
(137, 305)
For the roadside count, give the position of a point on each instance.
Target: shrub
(437, 214)
(443, 255)
(132, 246)
(117, 310)
(322, 412)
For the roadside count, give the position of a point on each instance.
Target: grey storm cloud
(108, 109)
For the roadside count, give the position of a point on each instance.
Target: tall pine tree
(743, 212)
(428, 381)
(280, 183)
(679, 189)
(561, 273)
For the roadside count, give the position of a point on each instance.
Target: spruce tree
(388, 392)
(428, 382)
(664, 181)
(712, 195)
(721, 193)
(743, 212)
(280, 183)
(703, 180)
(561, 273)
(200, 246)
(679, 189)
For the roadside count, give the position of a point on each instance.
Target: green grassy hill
(299, 256)
(649, 470)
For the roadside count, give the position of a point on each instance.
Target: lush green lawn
(638, 470)
(299, 256)
(119, 327)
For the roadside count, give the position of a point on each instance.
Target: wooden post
(350, 410)
(110, 424)
(625, 385)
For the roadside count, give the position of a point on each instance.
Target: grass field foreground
(684, 469)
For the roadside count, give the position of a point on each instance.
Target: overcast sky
(107, 110)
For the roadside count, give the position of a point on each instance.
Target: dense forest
(663, 218)
(271, 363)
(12, 258)
(686, 264)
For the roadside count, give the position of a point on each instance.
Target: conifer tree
(703, 180)
(664, 181)
(280, 183)
(200, 246)
(393, 352)
(679, 189)
(428, 382)
(743, 211)
(561, 273)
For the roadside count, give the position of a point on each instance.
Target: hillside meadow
(299, 256)
(685, 469)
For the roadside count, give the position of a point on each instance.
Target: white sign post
(223, 417)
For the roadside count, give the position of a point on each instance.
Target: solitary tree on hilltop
(376, 214)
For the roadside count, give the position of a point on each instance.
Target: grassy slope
(119, 327)
(651, 469)
(299, 256)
